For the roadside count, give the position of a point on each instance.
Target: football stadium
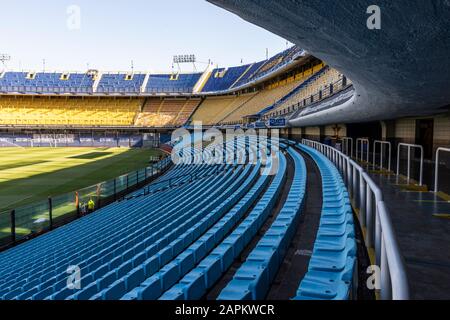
(320, 172)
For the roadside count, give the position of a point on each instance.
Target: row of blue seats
(185, 257)
(44, 89)
(46, 83)
(331, 269)
(157, 83)
(223, 83)
(248, 75)
(196, 283)
(47, 278)
(253, 279)
(146, 252)
(29, 246)
(169, 274)
(146, 240)
(277, 61)
(128, 275)
(110, 83)
(157, 249)
(27, 250)
(67, 240)
(162, 83)
(41, 239)
(18, 251)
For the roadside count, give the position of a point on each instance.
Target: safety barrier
(375, 219)
(382, 143)
(345, 141)
(409, 147)
(436, 169)
(361, 142)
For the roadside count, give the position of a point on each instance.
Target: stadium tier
(220, 96)
(166, 112)
(121, 83)
(214, 109)
(70, 111)
(270, 100)
(172, 83)
(95, 82)
(263, 68)
(248, 74)
(223, 78)
(325, 82)
(57, 83)
(268, 97)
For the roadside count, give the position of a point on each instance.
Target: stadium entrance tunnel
(369, 130)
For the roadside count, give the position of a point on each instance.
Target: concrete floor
(296, 261)
(424, 239)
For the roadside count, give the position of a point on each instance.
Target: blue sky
(114, 32)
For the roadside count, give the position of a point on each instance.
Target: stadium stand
(105, 252)
(274, 63)
(213, 109)
(250, 72)
(121, 83)
(223, 78)
(76, 111)
(58, 83)
(195, 284)
(319, 82)
(263, 99)
(254, 277)
(220, 79)
(172, 83)
(310, 75)
(177, 237)
(166, 112)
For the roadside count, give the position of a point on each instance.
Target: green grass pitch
(28, 175)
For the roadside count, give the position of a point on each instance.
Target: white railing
(382, 153)
(345, 148)
(409, 147)
(361, 142)
(436, 169)
(375, 219)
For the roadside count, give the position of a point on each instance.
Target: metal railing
(409, 147)
(375, 219)
(322, 93)
(345, 148)
(362, 142)
(436, 169)
(382, 153)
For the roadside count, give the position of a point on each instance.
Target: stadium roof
(400, 70)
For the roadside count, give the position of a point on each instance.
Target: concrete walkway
(423, 237)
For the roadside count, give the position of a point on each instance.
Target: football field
(28, 175)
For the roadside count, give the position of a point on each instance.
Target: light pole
(4, 58)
